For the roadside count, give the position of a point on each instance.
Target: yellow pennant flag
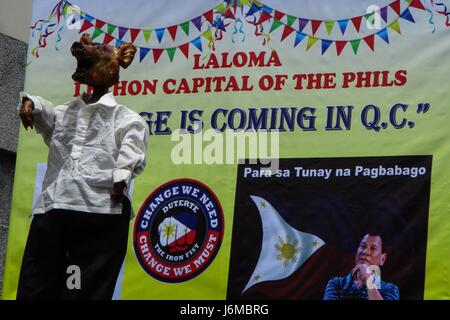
(395, 26)
(311, 42)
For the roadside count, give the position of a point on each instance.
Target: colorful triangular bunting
(383, 34)
(157, 54)
(302, 24)
(122, 32)
(357, 23)
(395, 26)
(108, 38)
(160, 33)
(99, 23)
(275, 25)
(298, 38)
(134, 33)
(143, 52)
(184, 48)
(264, 17)
(315, 24)
(384, 13)
(370, 41)
(329, 24)
(355, 45)
(173, 31)
(311, 42)
(340, 44)
(209, 15)
(253, 9)
(197, 22)
(171, 53)
(97, 32)
(343, 25)
(111, 28)
(417, 4)
(278, 15)
(407, 16)
(197, 42)
(325, 45)
(147, 34)
(86, 26)
(395, 6)
(286, 32)
(290, 20)
(185, 27)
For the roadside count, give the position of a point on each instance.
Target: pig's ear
(126, 54)
(86, 39)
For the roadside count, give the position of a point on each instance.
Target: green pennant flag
(276, 24)
(408, 1)
(185, 27)
(370, 17)
(311, 42)
(395, 26)
(147, 34)
(329, 24)
(171, 53)
(96, 33)
(220, 8)
(355, 45)
(291, 20)
(111, 28)
(208, 35)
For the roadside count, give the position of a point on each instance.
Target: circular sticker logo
(178, 230)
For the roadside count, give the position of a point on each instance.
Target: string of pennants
(218, 19)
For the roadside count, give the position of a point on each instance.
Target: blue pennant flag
(325, 45)
(118, 43)
(407, 16)
(383, 34)
(143, 53)
(343, 25)
(267, 9)
(89, 18)
(253, 9)
(298, 38)
(197, 43)
(160, 33)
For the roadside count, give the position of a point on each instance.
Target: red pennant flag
(229, 14)
(264, 17)
(278, 15)
(108, 38)
(315, 25)
(209, 16)
(157, 54)
(340, 44)
(86, 25)
(417, 4)
(99, 23)
(370, 41)
(357, 23)
(134, 33)
(173, 31)
(286, 32)
(395, 6)
(185, 49)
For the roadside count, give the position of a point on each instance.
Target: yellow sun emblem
(168, 230)
(287, 250)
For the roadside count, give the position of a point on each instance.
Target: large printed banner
(281, 133)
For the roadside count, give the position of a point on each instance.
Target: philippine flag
(177, 232)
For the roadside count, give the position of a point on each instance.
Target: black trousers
(95, 244)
